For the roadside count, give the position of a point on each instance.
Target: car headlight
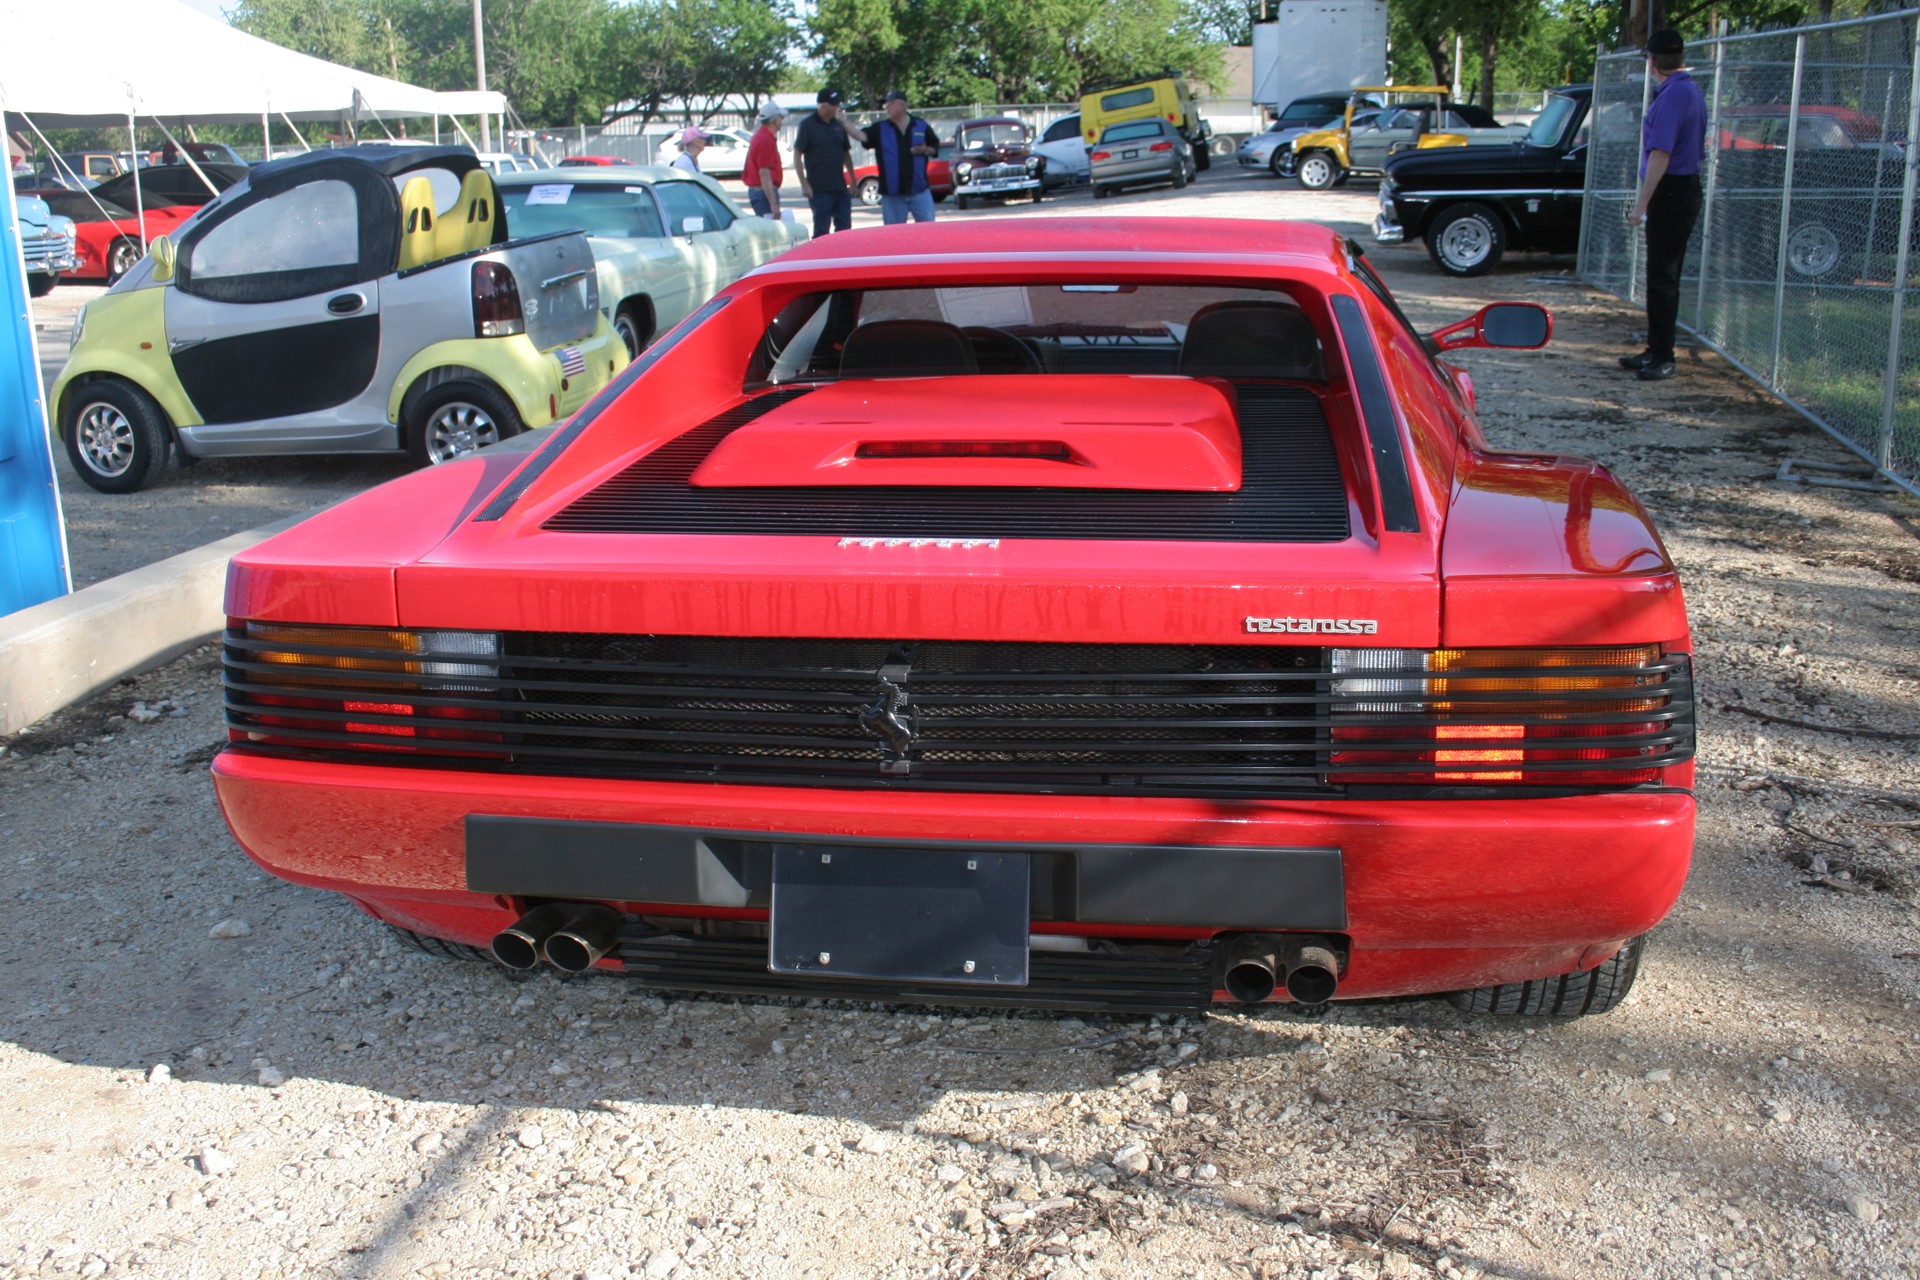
(1033, 164)
(963, 173)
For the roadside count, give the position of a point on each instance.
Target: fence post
(1902, 264)
(1786, 207)
(1712, 154)
(1636, 238)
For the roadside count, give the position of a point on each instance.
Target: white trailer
(1318, 46)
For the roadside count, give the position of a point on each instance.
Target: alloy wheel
(457, 428)
(106, 438)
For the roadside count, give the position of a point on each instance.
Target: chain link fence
(1804, 269)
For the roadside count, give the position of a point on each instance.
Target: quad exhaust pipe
(570, 936)
(1257, 964)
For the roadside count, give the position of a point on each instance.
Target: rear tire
(1202, 158)
(960, 202)
(116, 436)
(1099, 192)
(1179, 175)
(869, 191)
(1466, 240)
(41, 285)
(121, 257)
(635, 328)
(1813, 251)
(1317, 171)
(456, 419)
(1573, 995)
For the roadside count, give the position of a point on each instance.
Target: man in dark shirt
(1673, 143)
(823, 157)
(901, 144)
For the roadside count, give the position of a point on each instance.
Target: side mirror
(161, 251)
(1524, 326)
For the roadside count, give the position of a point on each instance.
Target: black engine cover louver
(1291, 491)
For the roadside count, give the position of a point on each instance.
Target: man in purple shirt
(1672, 144)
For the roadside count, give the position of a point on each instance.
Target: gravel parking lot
(214, 1074)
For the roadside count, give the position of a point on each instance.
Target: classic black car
(993, 159)
(1471, 204)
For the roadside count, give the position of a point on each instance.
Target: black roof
(388, 161)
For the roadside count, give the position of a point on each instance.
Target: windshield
(617, 212)
(1314, 113)
(1006, 133)
(1551, 122)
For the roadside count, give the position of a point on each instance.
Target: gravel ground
(215, 1074)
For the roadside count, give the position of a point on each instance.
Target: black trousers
(1671, 213)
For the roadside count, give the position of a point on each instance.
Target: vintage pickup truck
(47, 244)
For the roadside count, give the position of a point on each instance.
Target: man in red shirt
(762, 172)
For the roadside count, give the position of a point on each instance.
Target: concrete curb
(54, 654)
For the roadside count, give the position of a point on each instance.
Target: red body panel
(1509, 551)
(1442, 894)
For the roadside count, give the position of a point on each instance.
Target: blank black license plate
(1129, 155)
(910, 915)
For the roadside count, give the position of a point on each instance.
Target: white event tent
(90, 63)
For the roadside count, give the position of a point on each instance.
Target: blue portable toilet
(33, 543)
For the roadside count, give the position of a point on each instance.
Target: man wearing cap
(901, 143)
(761, 172)
(1672, 145)
(693, 140)
(823, 157)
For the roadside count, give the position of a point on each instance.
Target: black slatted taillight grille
(1291, 491)
(981, 716)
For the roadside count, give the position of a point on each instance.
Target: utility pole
(480, 75)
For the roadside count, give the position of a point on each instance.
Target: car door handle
(345, 304)
(551, 281)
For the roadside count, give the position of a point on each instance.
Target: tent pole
(133, 157)
(296, 131)
(266, 138)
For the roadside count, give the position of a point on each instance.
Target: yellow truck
(1416, 116)
(1164, 97)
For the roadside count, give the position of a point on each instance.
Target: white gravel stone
(159, 1073)
(231, 927)
(1132, 1160)
(531, 1137)
(663, 1263)
(950, 1174)
(272, 1077)
(1863, 1208)
(1659, 1075)
(214, 1162)
(873, 1144)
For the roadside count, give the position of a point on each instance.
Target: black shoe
(1634, 364)
(1657, 371)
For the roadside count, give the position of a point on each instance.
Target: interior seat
(418, 239)
(997, 351)
(469, 224)
(1246, 338)
(906, 349)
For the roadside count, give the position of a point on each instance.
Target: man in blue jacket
(1672, 146)
(901, 144)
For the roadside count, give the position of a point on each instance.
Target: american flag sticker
(572, 363)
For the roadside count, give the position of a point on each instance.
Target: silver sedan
(1136, 152)
(1273, 150)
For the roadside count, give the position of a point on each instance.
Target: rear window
(615, 212)
(1127, 98)
(1134, 129)
(1311, 111)
(1039, 329)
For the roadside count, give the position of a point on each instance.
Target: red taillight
(1456, 753)
(1101, 155)
(1052, 450)
(1161, 146)
(496, 302)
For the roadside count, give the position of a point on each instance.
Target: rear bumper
(1435, 895)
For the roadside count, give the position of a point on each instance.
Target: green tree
(339, 31)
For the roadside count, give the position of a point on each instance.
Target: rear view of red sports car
(1126, 615)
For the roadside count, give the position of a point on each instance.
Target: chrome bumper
(49, 254)
(1386, 231)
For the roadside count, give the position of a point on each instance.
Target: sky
(209, 7)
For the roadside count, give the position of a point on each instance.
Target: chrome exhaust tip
(521, 944)
(588, 934)
(1252, 967)
(1313, 971)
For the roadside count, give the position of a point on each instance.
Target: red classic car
(866, 178)
(109, 228)
(1131, 616)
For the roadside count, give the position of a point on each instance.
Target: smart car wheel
(1317, 171)
(869, 191)
(1813, 251)
(455, 419)
(121, 257)
(1467, 240)
(1572, 995)
(116, 436)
